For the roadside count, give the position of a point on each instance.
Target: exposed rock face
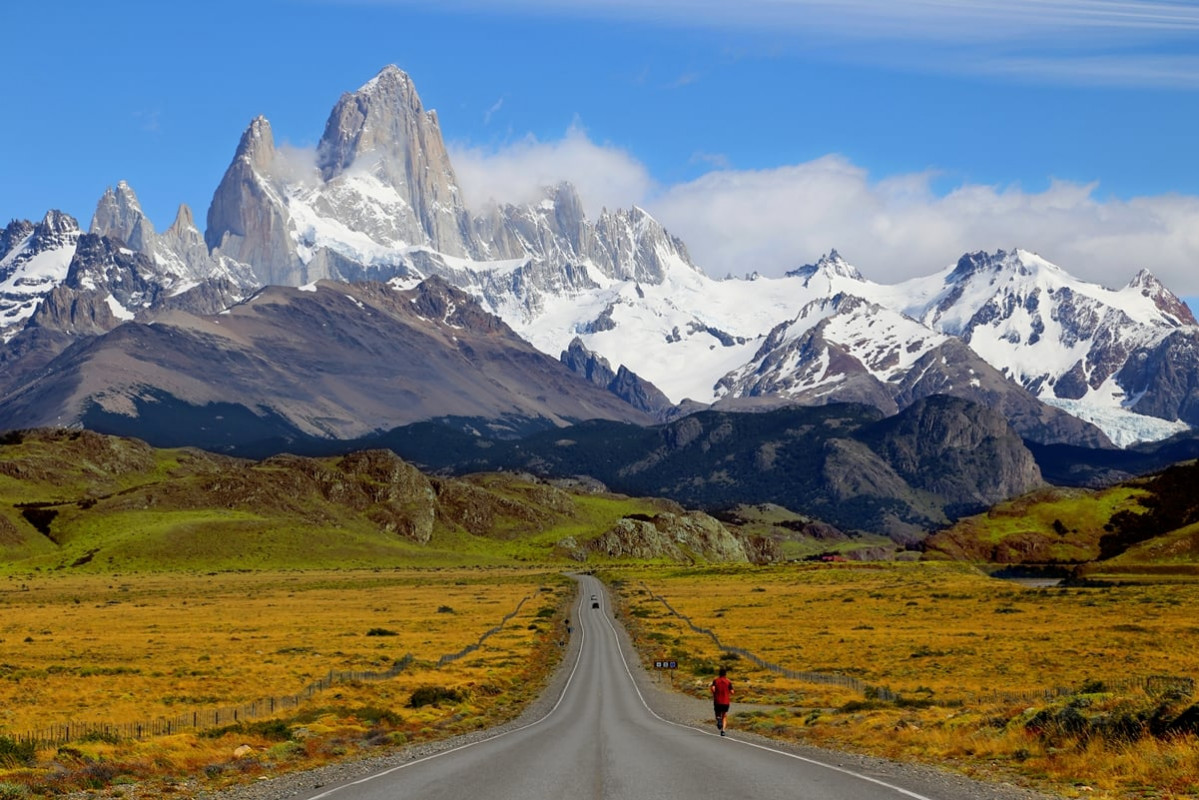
(180, 256)
(679, 537)
(1036, 309)
(247, 221)
(384, 131)
(106, 284)
(831, 263)
(861, 352)
(119, 215)
(1149, 286)
(623, 383)
(1165, 378)
(958, 450)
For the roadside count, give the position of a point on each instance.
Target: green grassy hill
(75, 500)
(1144, 525)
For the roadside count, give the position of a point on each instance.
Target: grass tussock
(966, 661)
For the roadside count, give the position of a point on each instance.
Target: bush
(16, 754)
(381, 632)
(431, 695)
(445, 610)
(13, 791)
(97, 775)
(379, 716)
(275, 730)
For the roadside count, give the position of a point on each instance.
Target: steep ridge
(844, 463)
(334, 361)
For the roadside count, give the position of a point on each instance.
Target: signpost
(667, 664)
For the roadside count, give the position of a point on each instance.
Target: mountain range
(345, 291)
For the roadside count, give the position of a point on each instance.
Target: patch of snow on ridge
(119, 311)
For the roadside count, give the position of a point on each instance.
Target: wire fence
(1152, 685)
(207, 719)
(847, 681)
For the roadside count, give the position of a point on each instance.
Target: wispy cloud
(492, 111)
(1116, 42)
(893, 228)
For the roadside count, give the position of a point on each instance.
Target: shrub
(16, 754)
(431, 695)
(97, 775)
(381, 632)
(275, 730)
(379, 716)
(13, 791)
(445, 610)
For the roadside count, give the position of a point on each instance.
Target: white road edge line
(574, 668)
(806, 760)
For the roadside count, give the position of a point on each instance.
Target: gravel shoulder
(671, 705)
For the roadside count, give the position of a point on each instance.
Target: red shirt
(722, 691)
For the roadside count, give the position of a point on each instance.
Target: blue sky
(762, 132)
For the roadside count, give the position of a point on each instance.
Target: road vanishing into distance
(601, 741)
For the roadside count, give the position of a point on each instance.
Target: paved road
(601, 740)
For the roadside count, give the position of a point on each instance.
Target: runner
(722, 698)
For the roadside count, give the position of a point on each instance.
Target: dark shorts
(721, 708)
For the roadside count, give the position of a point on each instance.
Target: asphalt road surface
(602, 740)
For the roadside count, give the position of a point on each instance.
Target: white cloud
(892, 228)
(604, 175)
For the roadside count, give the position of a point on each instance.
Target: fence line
(848, 681)
(1153, 684)
(470, 648)
(63, 733)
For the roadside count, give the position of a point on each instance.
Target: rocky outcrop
(682, 537)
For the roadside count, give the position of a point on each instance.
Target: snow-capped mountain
(380, 200)
(33, 260)
(1065, 340)
(180, 255)
(618, 296)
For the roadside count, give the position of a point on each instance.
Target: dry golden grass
(968, 655)
(134, 648)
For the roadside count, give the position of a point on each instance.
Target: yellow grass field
(127, 649)
(969, 656)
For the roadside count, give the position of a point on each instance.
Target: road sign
(662, 664)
